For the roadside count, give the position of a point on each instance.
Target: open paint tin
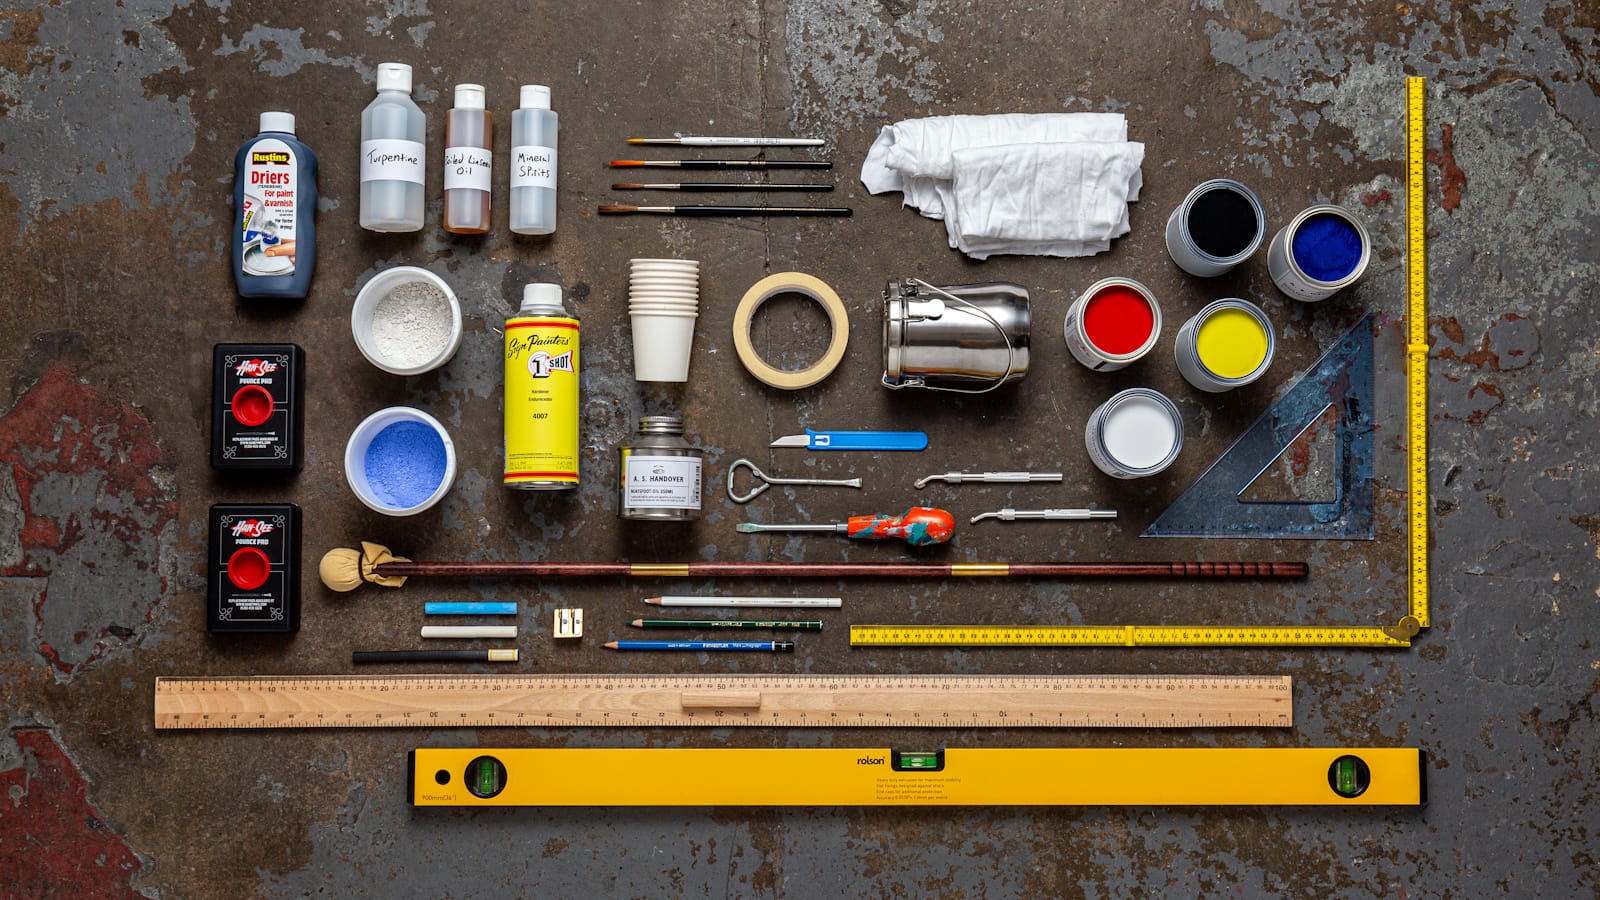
(1321, 251)
(1112, 323)
(1137, 432)
(1219, 225)
(1226, 345)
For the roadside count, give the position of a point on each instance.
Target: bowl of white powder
(406, 320)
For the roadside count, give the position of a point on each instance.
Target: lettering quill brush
(615, 209)
(720, 186)
(721, 164)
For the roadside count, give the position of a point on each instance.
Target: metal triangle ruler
(1214, 505)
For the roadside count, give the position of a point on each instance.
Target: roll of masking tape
(784, 283)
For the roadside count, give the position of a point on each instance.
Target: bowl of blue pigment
(400, 461)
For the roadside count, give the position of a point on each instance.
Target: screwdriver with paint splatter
(921, 526)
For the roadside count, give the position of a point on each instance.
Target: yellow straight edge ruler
(956, 776)
(788, 701)
(1416, 353)
(1398, 635)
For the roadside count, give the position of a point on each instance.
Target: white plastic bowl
(355, 458)
(361, 314)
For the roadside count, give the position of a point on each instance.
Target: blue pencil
(768, 646)
(468, 608)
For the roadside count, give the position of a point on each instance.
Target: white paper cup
(665, 267)
(661, 344)
(666, 293)
(662, 310)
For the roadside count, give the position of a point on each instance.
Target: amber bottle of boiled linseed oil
(468, 160)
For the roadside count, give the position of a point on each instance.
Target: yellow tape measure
(876, 776)
(1417, 352)
(1414, 618)
(1121, 636)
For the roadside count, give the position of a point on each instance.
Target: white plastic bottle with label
(533, 163)
(393, 154)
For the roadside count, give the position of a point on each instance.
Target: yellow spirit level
(1200, 776)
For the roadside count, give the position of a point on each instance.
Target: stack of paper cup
(663, 301)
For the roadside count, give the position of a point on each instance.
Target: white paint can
(1137, 432)
(1321, 251)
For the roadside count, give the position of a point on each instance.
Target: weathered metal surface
(116, 140)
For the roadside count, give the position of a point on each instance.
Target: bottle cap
(394, 77)
(542, 296)
(469, 96)
(278, 121)
(535, 96)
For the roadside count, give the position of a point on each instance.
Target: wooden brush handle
(1180, 570)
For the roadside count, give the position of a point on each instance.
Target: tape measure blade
(1417, 351)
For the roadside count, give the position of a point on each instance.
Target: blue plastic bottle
(275, 205)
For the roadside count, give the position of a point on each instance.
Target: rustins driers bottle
(275, 199)
(393, 136)
(533, 163)
(468, 157)
(541, 393)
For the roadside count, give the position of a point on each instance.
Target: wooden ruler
(964, 701)
(1410, 622)
(880, 776)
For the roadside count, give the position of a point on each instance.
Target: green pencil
(786, 624)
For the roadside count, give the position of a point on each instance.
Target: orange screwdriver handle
(921, 526)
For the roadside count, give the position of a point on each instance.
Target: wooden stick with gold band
(346, 569)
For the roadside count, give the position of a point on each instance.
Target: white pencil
(469, 631)
(747, 602)
(732, 141)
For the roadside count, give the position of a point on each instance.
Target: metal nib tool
(921, 526)
(989, 478)
(765, 481)
(1053, 515)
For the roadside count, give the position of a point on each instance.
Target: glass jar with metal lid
(659, 473)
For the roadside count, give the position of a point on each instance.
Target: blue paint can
(1320, 251)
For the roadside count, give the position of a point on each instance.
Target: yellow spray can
(541, 403)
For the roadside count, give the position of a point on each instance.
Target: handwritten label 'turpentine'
(533, 166)
(386, 159)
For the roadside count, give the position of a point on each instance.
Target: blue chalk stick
(450, 608)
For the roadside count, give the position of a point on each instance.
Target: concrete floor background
(117, 128)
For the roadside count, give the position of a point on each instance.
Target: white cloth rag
(1054, 184)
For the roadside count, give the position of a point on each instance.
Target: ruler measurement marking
(411, 701)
